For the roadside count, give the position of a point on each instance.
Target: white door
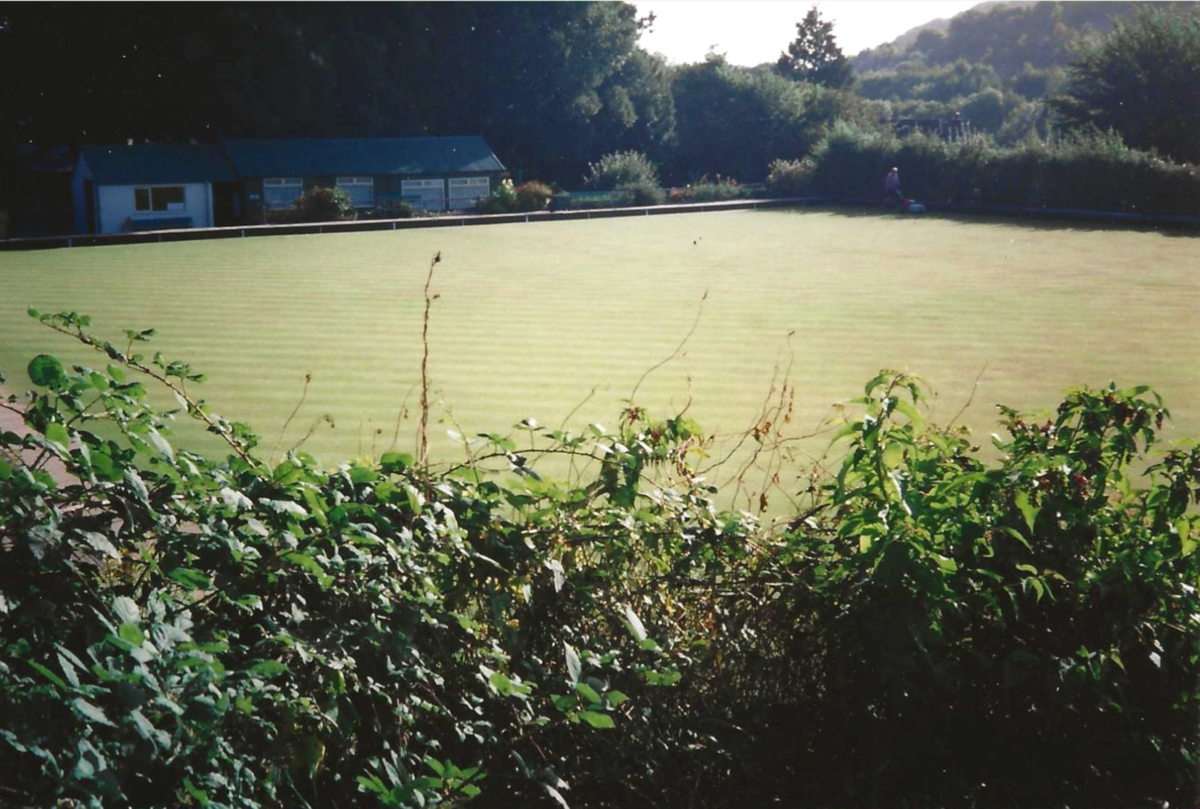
(466, 191)
(428, 195)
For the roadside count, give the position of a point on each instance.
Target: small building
(429, 173)
(117, 189)
(147, 186)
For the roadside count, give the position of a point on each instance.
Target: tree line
(554, 86)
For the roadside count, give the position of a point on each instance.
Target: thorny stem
(674, 353)
(422, 434)
(193, 408)
(295, 410)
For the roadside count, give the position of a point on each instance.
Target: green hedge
(1088, 172)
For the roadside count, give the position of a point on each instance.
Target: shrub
(706, 190)
(957, 632)
(643, 194)
(533, 196)
(238, 632)
(790, 178)
(396, 209)
(503, 199)
(323, 205)
(621, 170)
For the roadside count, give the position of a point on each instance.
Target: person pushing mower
(892, 195)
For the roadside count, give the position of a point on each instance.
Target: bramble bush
(924, 628)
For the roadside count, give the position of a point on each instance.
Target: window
(428, 195)
(361, 190)
(165, 198)
(281, 192)
(466, 191)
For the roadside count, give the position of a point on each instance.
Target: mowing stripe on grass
(531, 319)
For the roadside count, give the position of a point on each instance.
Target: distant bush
(1093, 172)
(621, 170)
(323, 205)
(503, 199)
(644, 194)
(706, 190)
(533, 196)
(525, 198)
(790, 178)
(394, 209)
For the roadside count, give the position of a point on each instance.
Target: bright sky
(750, 32)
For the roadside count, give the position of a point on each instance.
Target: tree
(735, 121)
(814, 55)
(1143, 80)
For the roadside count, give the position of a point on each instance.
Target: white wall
(116, 204)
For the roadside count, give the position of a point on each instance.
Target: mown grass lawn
(533, 317)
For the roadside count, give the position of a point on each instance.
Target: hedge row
(1087, 172)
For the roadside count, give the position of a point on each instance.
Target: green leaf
(91, 712)
(200, 795)
(615, 698)
(100, 543)
(127, 610)
(46, 371)
(191, 579)
(947, 564)
(363, 474)
(393, 462)
(913, 415)
(267, 669)
(1187, 545)
(311, 565)
(574, 666)
(1015, 534)
(601, 721)
(137, 484)
(1028, 510)
(132, 633)
(161, 444)
(57, 434)
(633, 622)
(285, 507)
(588, 693)
(49, 675)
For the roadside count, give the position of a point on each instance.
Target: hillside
(1004, 35)
(902, 42)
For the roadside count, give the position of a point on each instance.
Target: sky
(750, 32)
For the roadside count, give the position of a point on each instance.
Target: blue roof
(308, 157)
(154, 163)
